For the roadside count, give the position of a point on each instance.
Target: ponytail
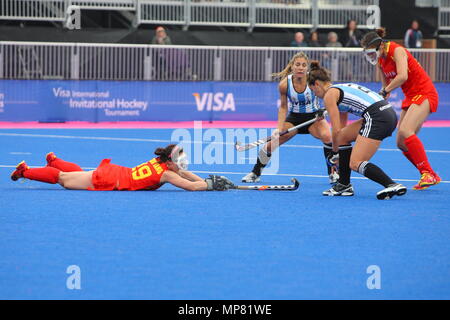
(164, 153)
(317, 72)
(373, 38)
(314, 65)
(381, 32)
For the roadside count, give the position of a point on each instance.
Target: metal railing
(256, 13)
(86, 61)
(33, 10)
(104, 4)
(444, 15)
(243, 13)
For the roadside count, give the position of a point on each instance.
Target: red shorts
(418, 99)
(108, 176)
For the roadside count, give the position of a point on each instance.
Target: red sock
(45, 174)
(416, 154)
(64, 166)
(408, 156)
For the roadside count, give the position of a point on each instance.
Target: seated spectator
(413, 36)
(351, 35)
(333, 40)
(351, 63)
(314, 40)
(161, 36)
(299, 40)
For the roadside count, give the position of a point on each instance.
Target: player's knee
(401, 145)
(404, 133)
(326, 137)
(62, 179)
(343, 142)
(401, 142)
(285, 138)
(354, 164)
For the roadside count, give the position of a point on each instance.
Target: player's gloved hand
(384, 93)
(218, 183)
(333, 159)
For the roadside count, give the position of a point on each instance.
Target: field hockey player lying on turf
(170, 166)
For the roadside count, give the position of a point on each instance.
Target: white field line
(244, 173)
(29, 135)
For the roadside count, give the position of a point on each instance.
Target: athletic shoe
(50, 157)
(427, 180)
(334, 177)
(250, 178)
(395, 189)
(20, 169)
(339, 190)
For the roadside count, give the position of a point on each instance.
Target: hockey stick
(290, 187)
(239, 147)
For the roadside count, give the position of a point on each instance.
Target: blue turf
(172, 244)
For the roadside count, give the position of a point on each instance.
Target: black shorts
(379, 121)
(297, 118)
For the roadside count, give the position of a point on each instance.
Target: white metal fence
(22, 60)
(40, 10)
(105, 4)
(244, 13)
(444, 15)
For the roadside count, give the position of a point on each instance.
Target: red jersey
(418, 87)
(146, 176)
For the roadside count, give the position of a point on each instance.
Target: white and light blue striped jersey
(305, 102)
(355, 99)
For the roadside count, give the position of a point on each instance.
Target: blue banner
(97, 101)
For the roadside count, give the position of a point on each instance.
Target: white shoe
(395, 189)
(339, 190)
(334, 177)
(250, 178)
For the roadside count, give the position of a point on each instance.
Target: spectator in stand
(351, 63)
(413, 36)
(331, 59)
(299, 40)
(161, 36)
(351, 35)
(314, 40)
(333, 40)
(163, 57)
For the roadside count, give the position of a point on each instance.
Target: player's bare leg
(363, 151)
(347, 135)
(78, 180)
(266, 152)
(411, 122)
(321, 130)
